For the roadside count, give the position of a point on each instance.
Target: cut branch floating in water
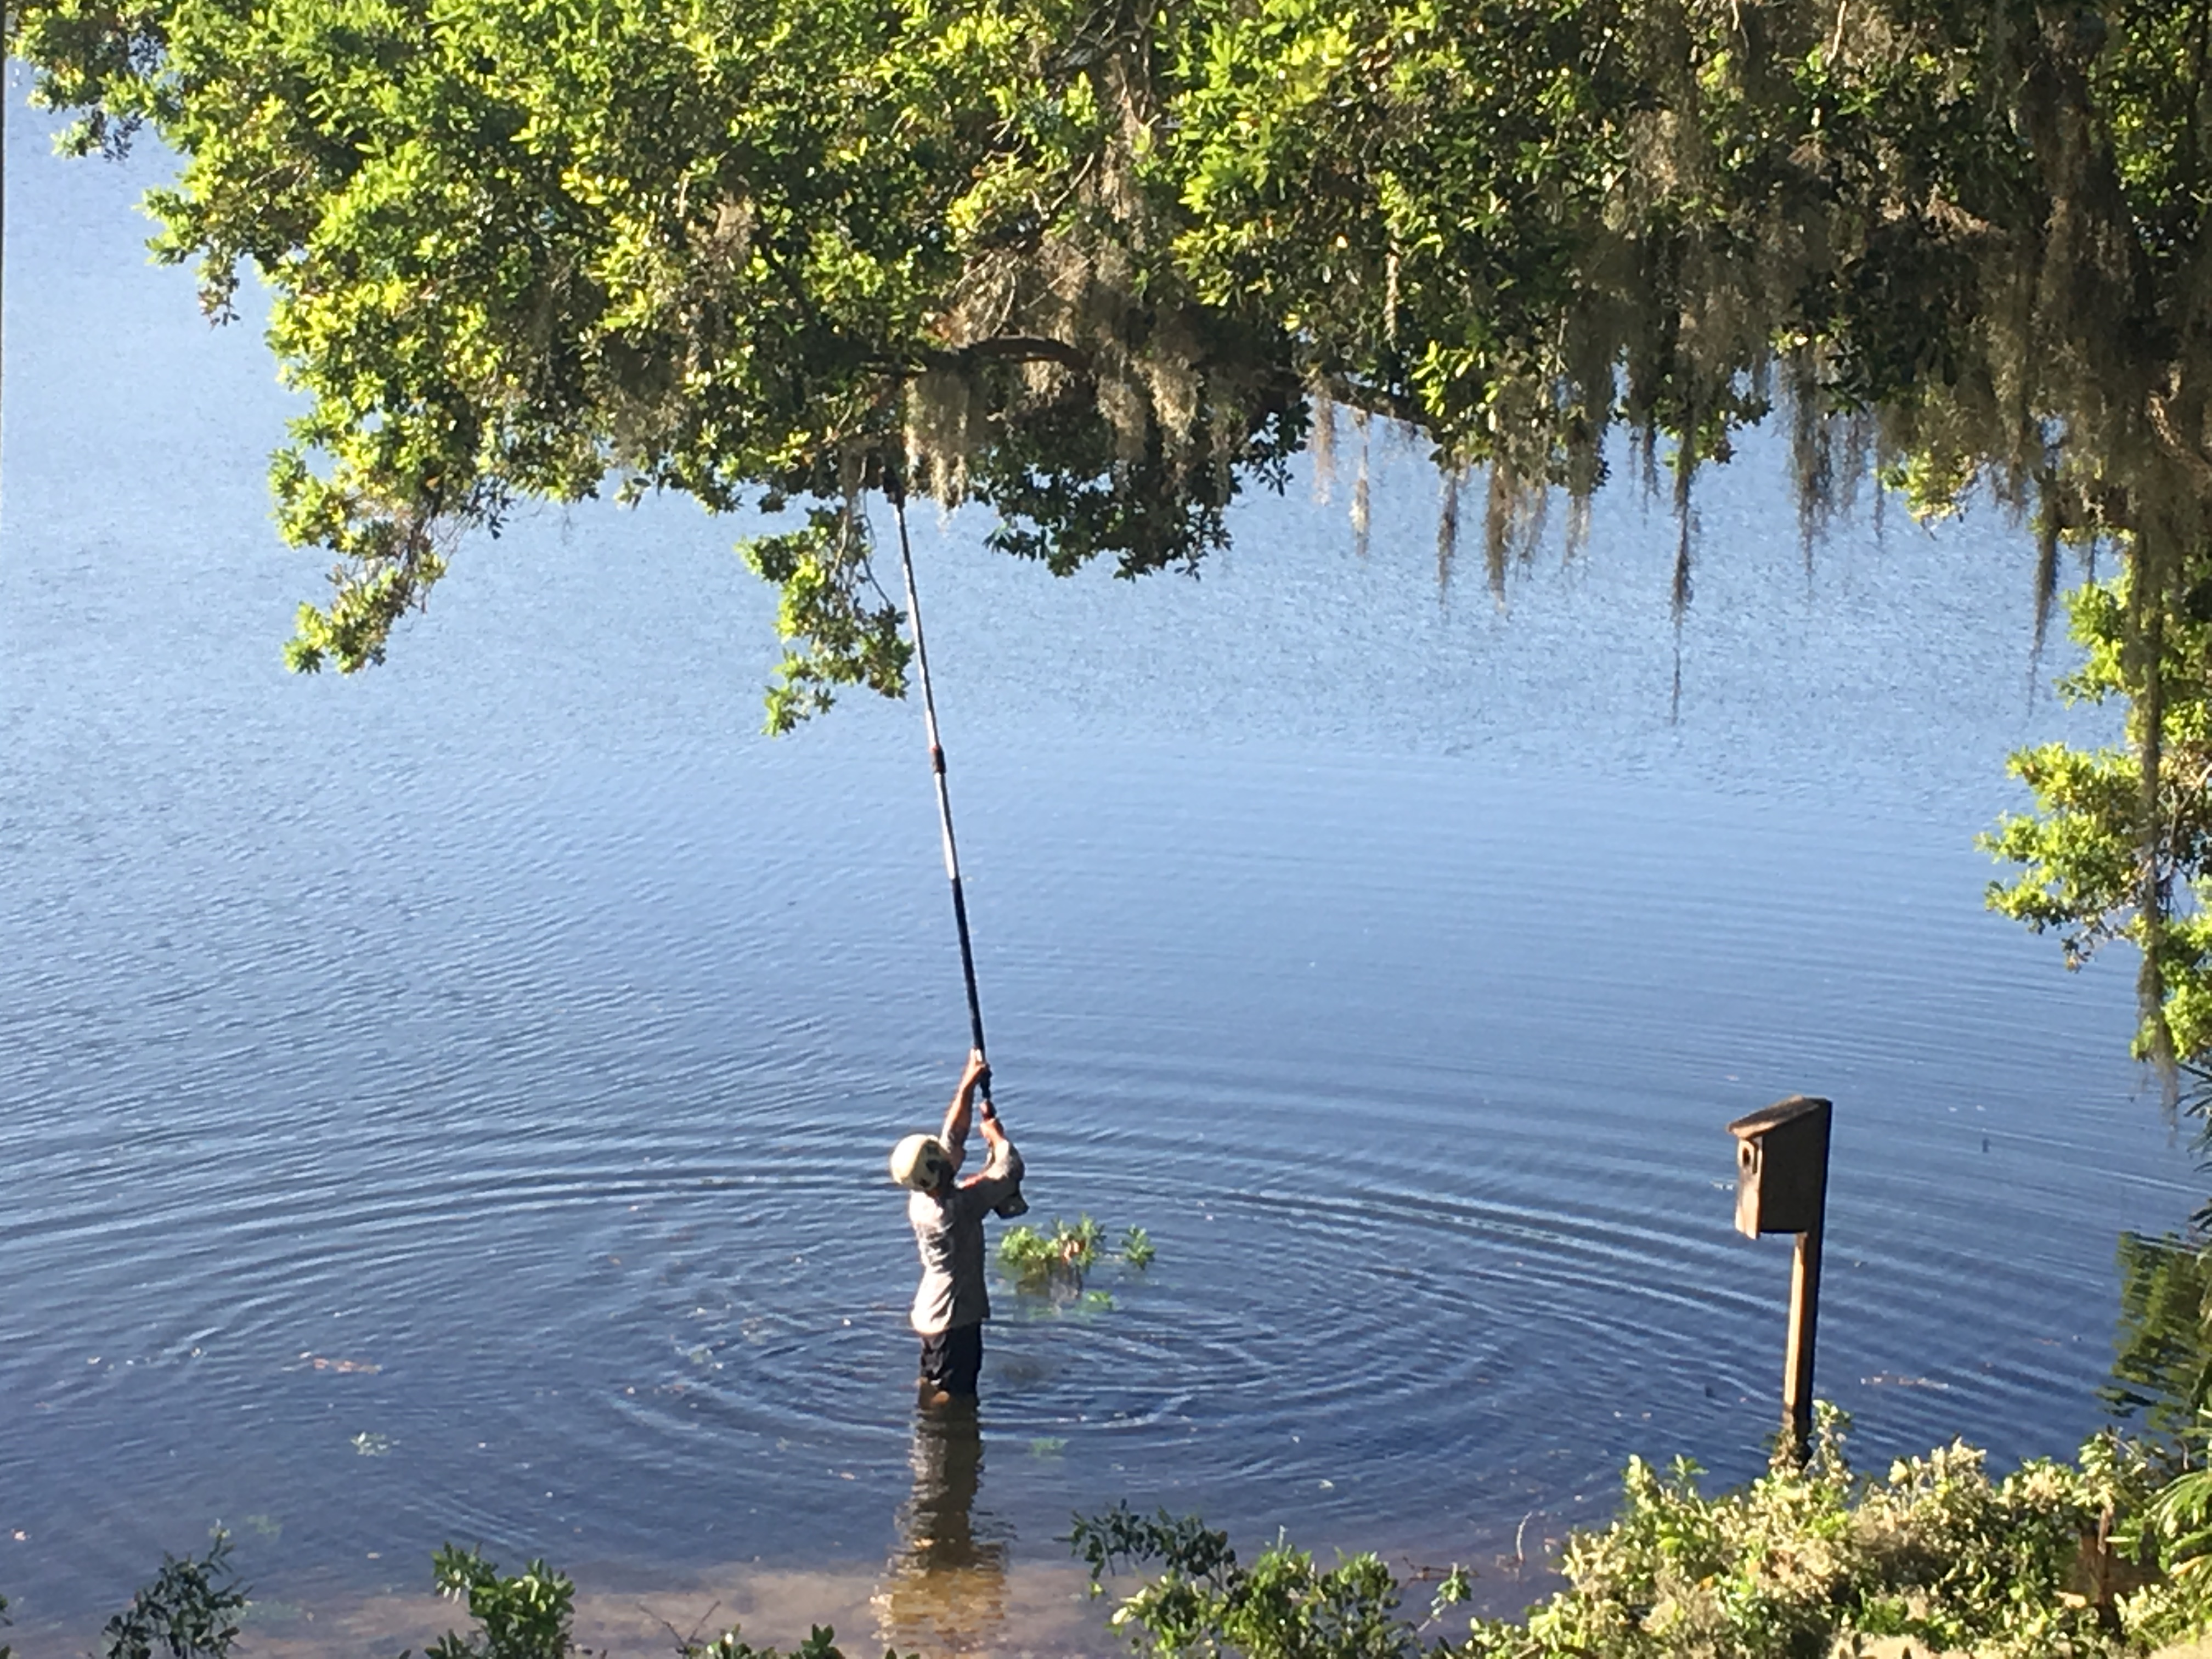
(1053, 1260)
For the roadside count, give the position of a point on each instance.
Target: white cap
(920, 1162)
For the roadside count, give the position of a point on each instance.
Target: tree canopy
(1100, 266)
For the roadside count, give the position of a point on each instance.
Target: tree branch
(1013, 347)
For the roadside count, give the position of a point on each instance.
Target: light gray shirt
(949, 1232)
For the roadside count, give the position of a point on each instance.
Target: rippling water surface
(451, 1102)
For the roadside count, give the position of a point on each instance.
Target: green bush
(1204, 1601)
(2091, 1558)
(189, 1609)
(1935, 1552)
(525, 1615)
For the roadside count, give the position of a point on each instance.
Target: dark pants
(950, 1359)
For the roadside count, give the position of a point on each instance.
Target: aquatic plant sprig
(1055, 1257)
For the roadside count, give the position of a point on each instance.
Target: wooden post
(7, 91)
(1781, 1187)
(1797, 1361)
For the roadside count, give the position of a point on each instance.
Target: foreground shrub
(2054, 1558)
(189, 1610)
(1204, 1600)
(1935, 1552)
(523, 1615)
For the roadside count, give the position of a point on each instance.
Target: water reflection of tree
(944, 1588)
(2162, 1366)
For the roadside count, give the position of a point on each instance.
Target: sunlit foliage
(2055, 1558)
(521, 1615)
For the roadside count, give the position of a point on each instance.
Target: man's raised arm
(1001, 1175)
(958, 1115)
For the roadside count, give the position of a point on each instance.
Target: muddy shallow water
(452, 1104)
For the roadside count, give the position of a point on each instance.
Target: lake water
(451, 1102)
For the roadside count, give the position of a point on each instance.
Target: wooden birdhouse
(1782, 1167)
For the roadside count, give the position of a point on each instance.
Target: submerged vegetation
(1100, 267)
(194, 1607)
(530, 1614)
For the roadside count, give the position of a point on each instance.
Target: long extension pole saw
(1013, 1205)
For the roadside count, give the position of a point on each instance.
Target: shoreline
(981, 1600)
(1001, 1608)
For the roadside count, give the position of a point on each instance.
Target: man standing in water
(947, 1213)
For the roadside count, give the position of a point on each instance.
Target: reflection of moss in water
(2162, 1366)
